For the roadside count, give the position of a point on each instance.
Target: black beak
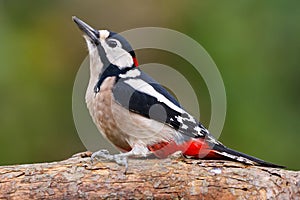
(93, 34)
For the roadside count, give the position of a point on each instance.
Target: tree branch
(76, 178)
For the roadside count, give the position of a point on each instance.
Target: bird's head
(111, 48)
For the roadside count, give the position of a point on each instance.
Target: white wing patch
(142, 86)
(131, 74)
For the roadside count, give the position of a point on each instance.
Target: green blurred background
(255, 44)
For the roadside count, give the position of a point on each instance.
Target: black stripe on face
(109, 71)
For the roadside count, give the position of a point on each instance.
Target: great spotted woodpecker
(138, 115)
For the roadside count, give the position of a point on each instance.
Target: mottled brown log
(77, 178)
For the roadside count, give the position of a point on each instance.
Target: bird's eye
(112, 43)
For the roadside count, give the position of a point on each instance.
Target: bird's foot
(101, 154)
(122, 158)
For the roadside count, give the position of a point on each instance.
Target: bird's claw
(121, 160)
(101, 154)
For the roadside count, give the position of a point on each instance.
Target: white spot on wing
(183, 126)
(144, 87)
(197, 128)
(179, 119)
(191, 118)
(213, 140)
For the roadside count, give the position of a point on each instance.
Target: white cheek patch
(117, 56)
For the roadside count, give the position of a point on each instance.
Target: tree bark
(172, 178)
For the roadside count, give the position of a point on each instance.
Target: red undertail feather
(197, 148)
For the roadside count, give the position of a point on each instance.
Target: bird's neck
(96, 67)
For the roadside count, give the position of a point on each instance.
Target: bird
(138, 115)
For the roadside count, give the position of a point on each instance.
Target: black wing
(133, 93)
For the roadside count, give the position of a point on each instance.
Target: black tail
(241, 157)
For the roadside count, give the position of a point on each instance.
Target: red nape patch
(197, 148)
(135, 61)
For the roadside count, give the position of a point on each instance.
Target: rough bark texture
(76, 178)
